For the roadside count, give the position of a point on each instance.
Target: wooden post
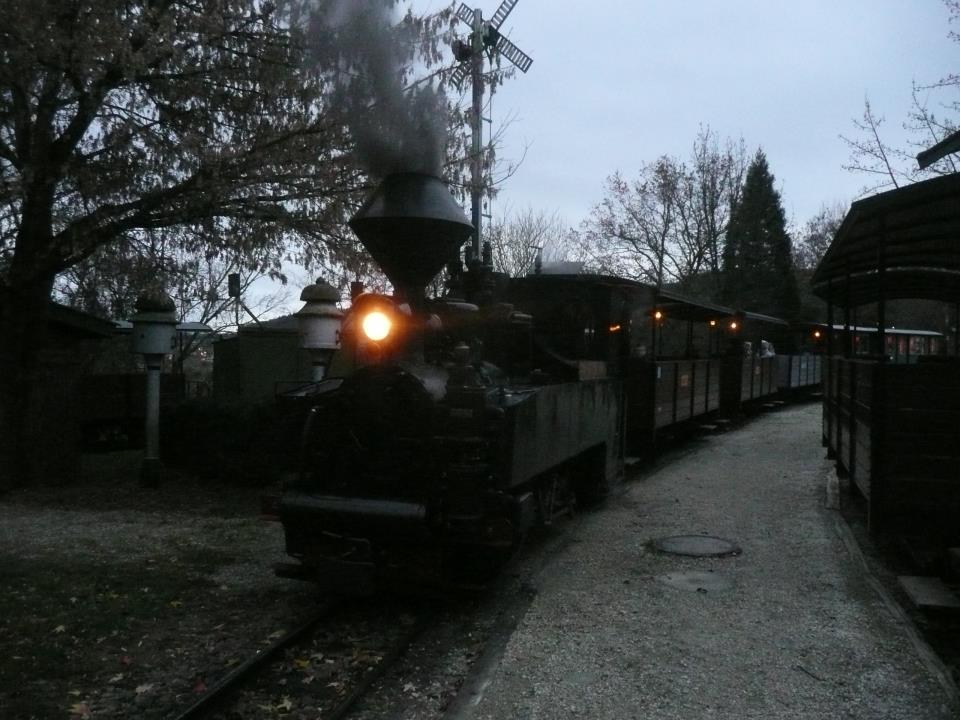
(882, 291)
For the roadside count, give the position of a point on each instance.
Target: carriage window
(917, 346)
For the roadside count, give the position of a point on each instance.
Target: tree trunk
(23, 319)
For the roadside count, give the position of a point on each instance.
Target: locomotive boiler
(453, 426)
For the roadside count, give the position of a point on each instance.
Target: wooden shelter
(895, 428)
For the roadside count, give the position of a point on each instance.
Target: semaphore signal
(485, 37)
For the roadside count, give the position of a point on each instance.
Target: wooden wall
(895, 429)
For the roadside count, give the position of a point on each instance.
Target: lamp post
(319, 322)
(154, 330)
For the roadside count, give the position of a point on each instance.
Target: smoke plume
(395, 130)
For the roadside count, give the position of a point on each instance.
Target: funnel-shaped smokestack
(412, 226)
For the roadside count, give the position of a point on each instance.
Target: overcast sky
(615, 84)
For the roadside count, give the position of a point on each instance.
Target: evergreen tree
(757, 260)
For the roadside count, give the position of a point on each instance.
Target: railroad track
(361, 649)
(374, 635)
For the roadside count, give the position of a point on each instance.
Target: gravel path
(798, 632)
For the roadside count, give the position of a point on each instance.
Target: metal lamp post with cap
(154, 331)
(319, 323)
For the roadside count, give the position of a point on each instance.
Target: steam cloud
(394, 130)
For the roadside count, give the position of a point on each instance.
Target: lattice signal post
(484, 37)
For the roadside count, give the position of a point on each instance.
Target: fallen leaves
(80, 710)
(75, 612)
(284, 706)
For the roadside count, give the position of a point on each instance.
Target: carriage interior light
(713, 323)
(614, 328)
(733, 325)
(816, 333)
(657, 315)
(376, 325)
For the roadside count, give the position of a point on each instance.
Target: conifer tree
(758, 261)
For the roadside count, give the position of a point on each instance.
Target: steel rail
(232, 679)
(379, 670)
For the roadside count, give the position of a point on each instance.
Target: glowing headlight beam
(376, 325)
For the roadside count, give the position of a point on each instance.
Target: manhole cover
(696, 581)
(696, 546)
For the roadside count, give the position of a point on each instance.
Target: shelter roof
(675, 305)
(78, 322)
(904, 243)
(282, 324)
(839, 327)
(760, 317)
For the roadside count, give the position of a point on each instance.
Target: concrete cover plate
(696, 546)
(696, 581)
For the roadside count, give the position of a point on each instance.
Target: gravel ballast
(789, 628)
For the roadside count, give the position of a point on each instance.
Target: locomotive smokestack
(411, 225)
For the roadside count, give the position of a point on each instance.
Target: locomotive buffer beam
(388, 511)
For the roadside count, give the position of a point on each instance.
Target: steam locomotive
(451, 426)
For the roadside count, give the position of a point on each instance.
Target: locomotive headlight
(376, 325)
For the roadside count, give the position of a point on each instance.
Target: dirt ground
(122, 601)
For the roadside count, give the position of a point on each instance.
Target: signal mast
(484, 37)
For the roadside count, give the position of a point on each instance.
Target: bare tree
(717, 180)
(870, 154)
(928, 128)
(631, 231)
(934, 114)
(519, 238)
(670, 224)
(817, 235)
